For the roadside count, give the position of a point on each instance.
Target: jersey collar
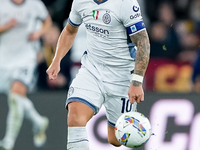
(100, 2)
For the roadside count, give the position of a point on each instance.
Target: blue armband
(135, 27)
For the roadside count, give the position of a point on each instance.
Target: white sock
(31, 113)
(77, 139)
(14, 120)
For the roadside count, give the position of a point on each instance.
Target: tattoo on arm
(141, 40)
(136, 83)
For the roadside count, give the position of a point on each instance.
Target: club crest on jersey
(70, 91)
(95, 14)
(106, 18)
(135, 8)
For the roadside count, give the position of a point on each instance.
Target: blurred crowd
(174, 31)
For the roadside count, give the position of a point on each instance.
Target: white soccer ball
(133, 129)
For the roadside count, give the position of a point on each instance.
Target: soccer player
(112, 68)
(18, 52)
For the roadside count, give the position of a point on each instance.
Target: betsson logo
(98, 31)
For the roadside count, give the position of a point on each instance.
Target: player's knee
(113, 141)
(79, 114)
(18, 88)
(74, 119)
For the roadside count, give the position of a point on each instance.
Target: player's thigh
(85, 93)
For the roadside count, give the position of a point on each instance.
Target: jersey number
(126, 106)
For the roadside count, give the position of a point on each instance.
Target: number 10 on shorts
(126, 106)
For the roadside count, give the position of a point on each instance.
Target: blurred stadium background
(172, 81)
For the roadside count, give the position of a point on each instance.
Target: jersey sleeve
(42, 11)
(74, 17)
(131, 16)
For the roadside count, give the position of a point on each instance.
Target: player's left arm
(131, 16)
(141, 40)
(46, 24)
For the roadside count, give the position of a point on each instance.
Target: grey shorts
(86, 88)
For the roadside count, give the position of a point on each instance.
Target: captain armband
(135, 28)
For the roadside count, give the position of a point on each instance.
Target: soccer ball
(133, 129)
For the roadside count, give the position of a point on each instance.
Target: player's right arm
(64, 44)
(9, 25)
(65, 40)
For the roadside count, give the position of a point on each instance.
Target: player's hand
(34, 36)
(135, 93)
(11, 23)
(53, 70)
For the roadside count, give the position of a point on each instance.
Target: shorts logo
(135, 8)
(70, 91)
(133, 28)
(106, 18)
